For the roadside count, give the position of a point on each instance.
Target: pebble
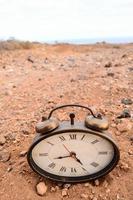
(30, 59)
(108, 191)
(8, 93)
(67, 185)
(10, 136)
(105, 184)
(130, 152)
(84, 196)
(97, 183)
(95, 198)
(64, 192)
(22, 153)
(53, 189)
(108, 65)
(25, 131)
(87, 184)
(125, 114)
(46, 60)
(91, 196)
(9, 168)
(110, 74)
(122, 128)
(124, 166)
(2, 140)
(41, 188)
(4, 156)
(117, 196)
(127, 101)
(130, 69)
(124, 56)
(131, 139)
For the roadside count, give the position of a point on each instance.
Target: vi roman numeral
(73, 170)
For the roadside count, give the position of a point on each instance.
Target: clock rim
(74, 179)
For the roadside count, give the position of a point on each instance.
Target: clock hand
(60, 157)
(73, 155)
(78, 160)
(67, 149)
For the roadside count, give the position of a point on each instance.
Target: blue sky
(43, 20)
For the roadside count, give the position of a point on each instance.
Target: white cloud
(61, 19)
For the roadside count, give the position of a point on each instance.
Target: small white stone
(91, 196)
(97, 182)
(122, 128)
(4, 155)
(108, 191)
(23, 153)
(130, 152)
(84, 196)
(2, 140)
(105, 184)
(124, 166)
(9, 168)
(41, 188)
(64, 192)
(86, 184)
(53, 189)
(67, 185)
(95, 198)
(117, 196)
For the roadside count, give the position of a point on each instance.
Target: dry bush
(15, 44)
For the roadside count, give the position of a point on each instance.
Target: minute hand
(60, 157)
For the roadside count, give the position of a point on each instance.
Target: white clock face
(73, 154)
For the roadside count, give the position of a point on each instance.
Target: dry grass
(16, 44)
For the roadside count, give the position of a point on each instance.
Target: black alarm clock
(73, 151)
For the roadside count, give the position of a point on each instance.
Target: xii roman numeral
(73, 136)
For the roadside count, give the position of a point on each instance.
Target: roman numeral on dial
(82, 137)
(43, 154)
(63, 169)
(73, 170)
(94, 164)
(62, 138)
(73, 136)
(102, 152)
(50, 143)
(51, 165)
(95, 141)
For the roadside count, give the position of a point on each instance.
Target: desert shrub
(15, 44)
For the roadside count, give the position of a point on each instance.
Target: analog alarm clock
(73, 151)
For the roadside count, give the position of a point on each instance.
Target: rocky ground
(32, 81)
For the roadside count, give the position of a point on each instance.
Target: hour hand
(60, 157)
(79, 161)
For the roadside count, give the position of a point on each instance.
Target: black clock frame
(67, 179)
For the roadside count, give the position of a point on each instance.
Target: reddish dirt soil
(56, 75)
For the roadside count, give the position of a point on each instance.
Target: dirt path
(34, 81)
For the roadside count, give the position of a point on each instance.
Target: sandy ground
(34, 81)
